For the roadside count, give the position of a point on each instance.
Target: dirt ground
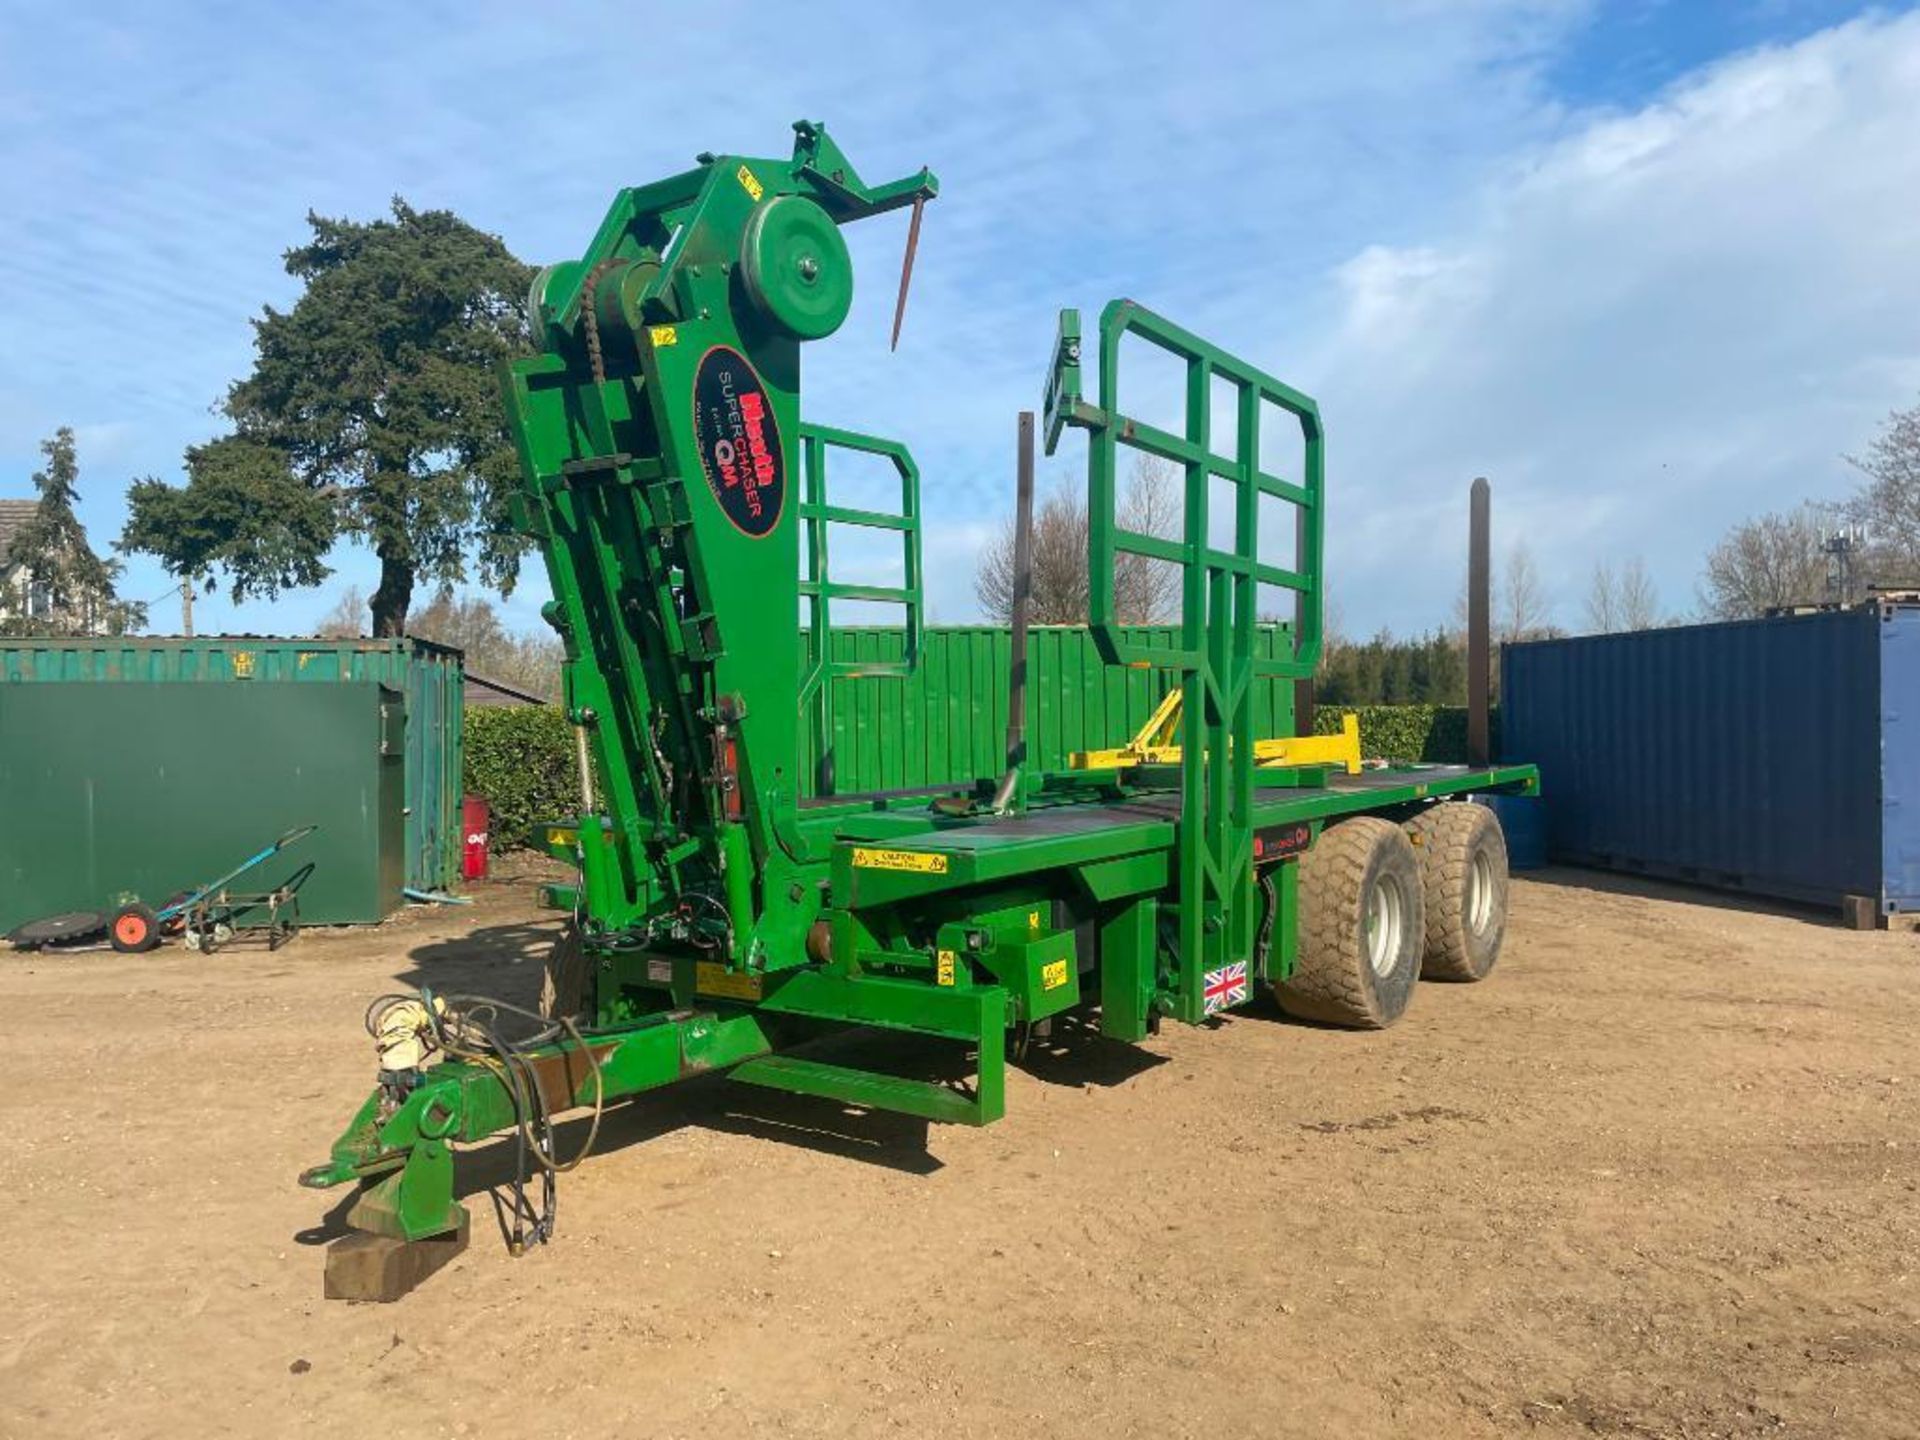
(1657, 1177)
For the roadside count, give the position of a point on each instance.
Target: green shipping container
(947, 721)
(424, 685)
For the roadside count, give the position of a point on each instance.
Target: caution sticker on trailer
(913, 860)
(1053, 974)
(712, 979)
(943, 969)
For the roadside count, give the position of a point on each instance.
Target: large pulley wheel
(1362, 927)
(795, 268)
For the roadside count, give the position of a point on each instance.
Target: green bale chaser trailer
(729, 913)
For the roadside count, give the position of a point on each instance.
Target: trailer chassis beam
(403, 1155)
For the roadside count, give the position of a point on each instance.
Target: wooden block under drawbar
(363, 1267)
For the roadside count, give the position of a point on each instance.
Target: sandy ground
(1656, 1178)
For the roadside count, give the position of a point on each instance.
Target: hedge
(521, 758)
(1436, 734)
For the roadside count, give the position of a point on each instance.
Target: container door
(1899, 758)
(390, 817)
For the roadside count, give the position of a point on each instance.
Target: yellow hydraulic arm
(1153, 744)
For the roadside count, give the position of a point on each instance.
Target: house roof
(13, 514)
(500, 687)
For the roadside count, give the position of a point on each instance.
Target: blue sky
(1650, 266)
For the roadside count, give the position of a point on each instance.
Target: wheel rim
(130, 929)
(1480, 894)
(1386, 923)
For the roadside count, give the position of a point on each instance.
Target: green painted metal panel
(946, 722)
(143, 791)
(430, 677)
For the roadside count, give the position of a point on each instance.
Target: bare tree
(1145, 591)
(529, 662)
(347, 620)
(1059, 593)
(1888, 505)
(1623, 599)
(1767, 562)
(1635, 599)
(1518, 608)
(1521, 608)
(1603, 600)
(1333, 625)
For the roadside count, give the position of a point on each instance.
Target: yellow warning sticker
(1053, 974)
(1033, 921)
(713, 979)
(914, 860)
(943, 971)
(747, 182)
(663, 336)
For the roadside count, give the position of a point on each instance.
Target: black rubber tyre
(133, 929)
(563, 987)
(1463, 873)
(1361, 927)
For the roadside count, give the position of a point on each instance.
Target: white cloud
(1210, 159)
(1392, 296)
(1664, 321)
(1641, 325)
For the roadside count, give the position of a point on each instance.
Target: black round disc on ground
(134, 929)
(54, 929)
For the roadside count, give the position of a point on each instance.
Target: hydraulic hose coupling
(403, 1029)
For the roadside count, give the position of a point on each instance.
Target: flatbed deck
(1084, 831)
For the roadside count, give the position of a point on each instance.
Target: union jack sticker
(1224, 987)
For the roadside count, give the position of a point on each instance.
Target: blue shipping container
(1779, 757)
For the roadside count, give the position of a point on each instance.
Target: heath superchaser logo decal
(739, 442)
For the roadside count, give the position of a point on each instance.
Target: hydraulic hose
(465, 1027)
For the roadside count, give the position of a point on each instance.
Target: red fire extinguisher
(474, 815)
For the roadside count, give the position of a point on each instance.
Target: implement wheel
(1463, 871)
(134, 930)
(1361, 927)
(563, 988)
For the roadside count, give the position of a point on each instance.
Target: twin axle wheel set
(1382, 905)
